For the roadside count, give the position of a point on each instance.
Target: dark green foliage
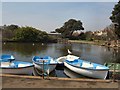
(69, 27)
(115, 18)
(9, 31)
(89, 35)
(82, 36)
(25, 34)
(12, 27)
(53, 32)
(30, 34)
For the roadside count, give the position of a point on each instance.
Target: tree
(9, 31)
(31, 34)
(115, 18)
(27, 34)
(69, 27)
(89, 35)
(12, 27)
(24, 34)
(82, 36)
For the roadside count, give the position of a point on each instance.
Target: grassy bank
(86, 42)
(42, 41)
(97, 42)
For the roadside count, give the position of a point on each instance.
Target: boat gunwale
(40, 63)
(45, 63)
(16, 67)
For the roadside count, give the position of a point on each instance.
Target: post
(114, 72)
(43, 69)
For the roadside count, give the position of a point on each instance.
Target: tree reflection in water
(93, 53)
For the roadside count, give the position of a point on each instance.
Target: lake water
(93, 53)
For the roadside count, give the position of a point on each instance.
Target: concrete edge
(56, 78)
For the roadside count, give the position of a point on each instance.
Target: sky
(0, 13)
(48, 16)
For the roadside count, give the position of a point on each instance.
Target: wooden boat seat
(46, 59)
(87, 65)
(21, 65)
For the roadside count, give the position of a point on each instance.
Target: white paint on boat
(68, 57)
(49, 63)
(51, 67)
(16, 67)
(60, 60)
(71, 57)
(71, 74)
(26, 70)
(101, 74)
(5, 64)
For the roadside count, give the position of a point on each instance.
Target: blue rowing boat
(9, 65)
(87, 68)
(49, 63)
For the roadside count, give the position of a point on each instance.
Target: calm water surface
(93, 53)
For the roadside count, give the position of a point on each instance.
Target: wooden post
(43, 69)
(114, 72)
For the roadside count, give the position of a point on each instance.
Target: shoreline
(99, 43)
(23, 81)
(81, 41)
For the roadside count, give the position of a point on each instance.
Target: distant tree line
(106, 34)
(24, 34)
(71, 29)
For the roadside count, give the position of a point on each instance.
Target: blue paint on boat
(6, 58)
(8, 62)
(46, 59)
(17, 64)
(86, 64)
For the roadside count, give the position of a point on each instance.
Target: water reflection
(63, 48)
(93, 53)
(37, 72)
(24, 49)
(116, 55)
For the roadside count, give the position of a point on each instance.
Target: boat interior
(86, 64)
(14, 64)
(46, 59)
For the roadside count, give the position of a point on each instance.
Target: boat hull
(72, 74)
(40, 66)
(23, 70)
(101, 74)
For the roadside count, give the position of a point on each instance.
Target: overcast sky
(48, 16)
